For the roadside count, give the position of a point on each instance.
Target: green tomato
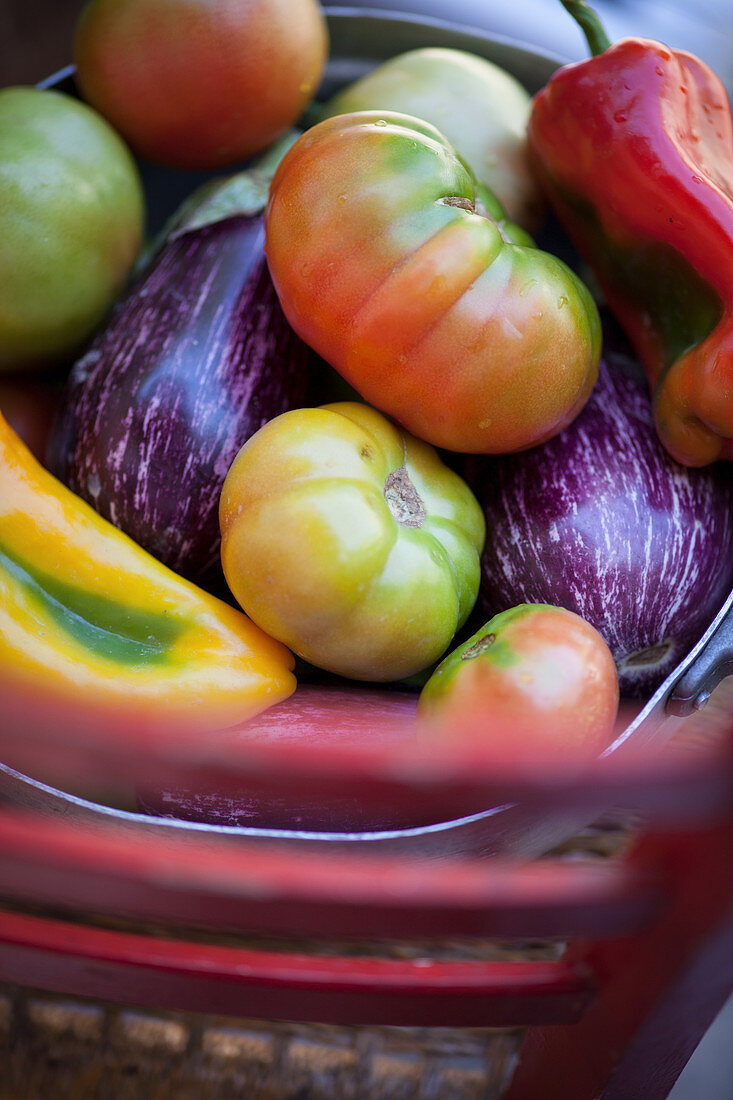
(350, 541)
(479, 107)
(71, 223)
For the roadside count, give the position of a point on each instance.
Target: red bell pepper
(634, 148)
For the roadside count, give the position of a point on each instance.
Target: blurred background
(36, 35)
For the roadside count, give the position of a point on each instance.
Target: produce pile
(343, 408)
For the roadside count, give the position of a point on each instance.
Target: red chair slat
(146, 970)
(239, 887)
(428, 784)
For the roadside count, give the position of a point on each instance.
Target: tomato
(386, 265)
(200, 83)
(71, 222)
(479, 107)
(350, 541)
(535, 678)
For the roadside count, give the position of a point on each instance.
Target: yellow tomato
(350, 541)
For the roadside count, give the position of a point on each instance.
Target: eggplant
(194, 359)
(601, 521)
(314, 715)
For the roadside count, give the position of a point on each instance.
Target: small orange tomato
(536, 679)
(200, 83)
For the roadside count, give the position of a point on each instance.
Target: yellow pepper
(96, 634)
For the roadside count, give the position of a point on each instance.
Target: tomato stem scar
(478, 647)
(403, 499)
(458, 200)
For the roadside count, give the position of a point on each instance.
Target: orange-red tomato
(200, 83)
(390, 263)
(536, 679)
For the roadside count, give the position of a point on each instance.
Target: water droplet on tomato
(380, 122)
(619, 117)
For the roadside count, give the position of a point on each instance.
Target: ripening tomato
(350, 541)
(389, 266)
(200, 83)
(535, 679)
(479, 107)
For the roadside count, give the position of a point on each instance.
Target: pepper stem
(589, 23)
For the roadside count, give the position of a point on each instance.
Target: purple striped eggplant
(194, 359)
(600, 520)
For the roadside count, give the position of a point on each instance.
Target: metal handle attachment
(712, 664)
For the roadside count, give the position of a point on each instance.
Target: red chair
(648, 956)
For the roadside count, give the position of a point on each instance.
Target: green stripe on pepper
(107, 628)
